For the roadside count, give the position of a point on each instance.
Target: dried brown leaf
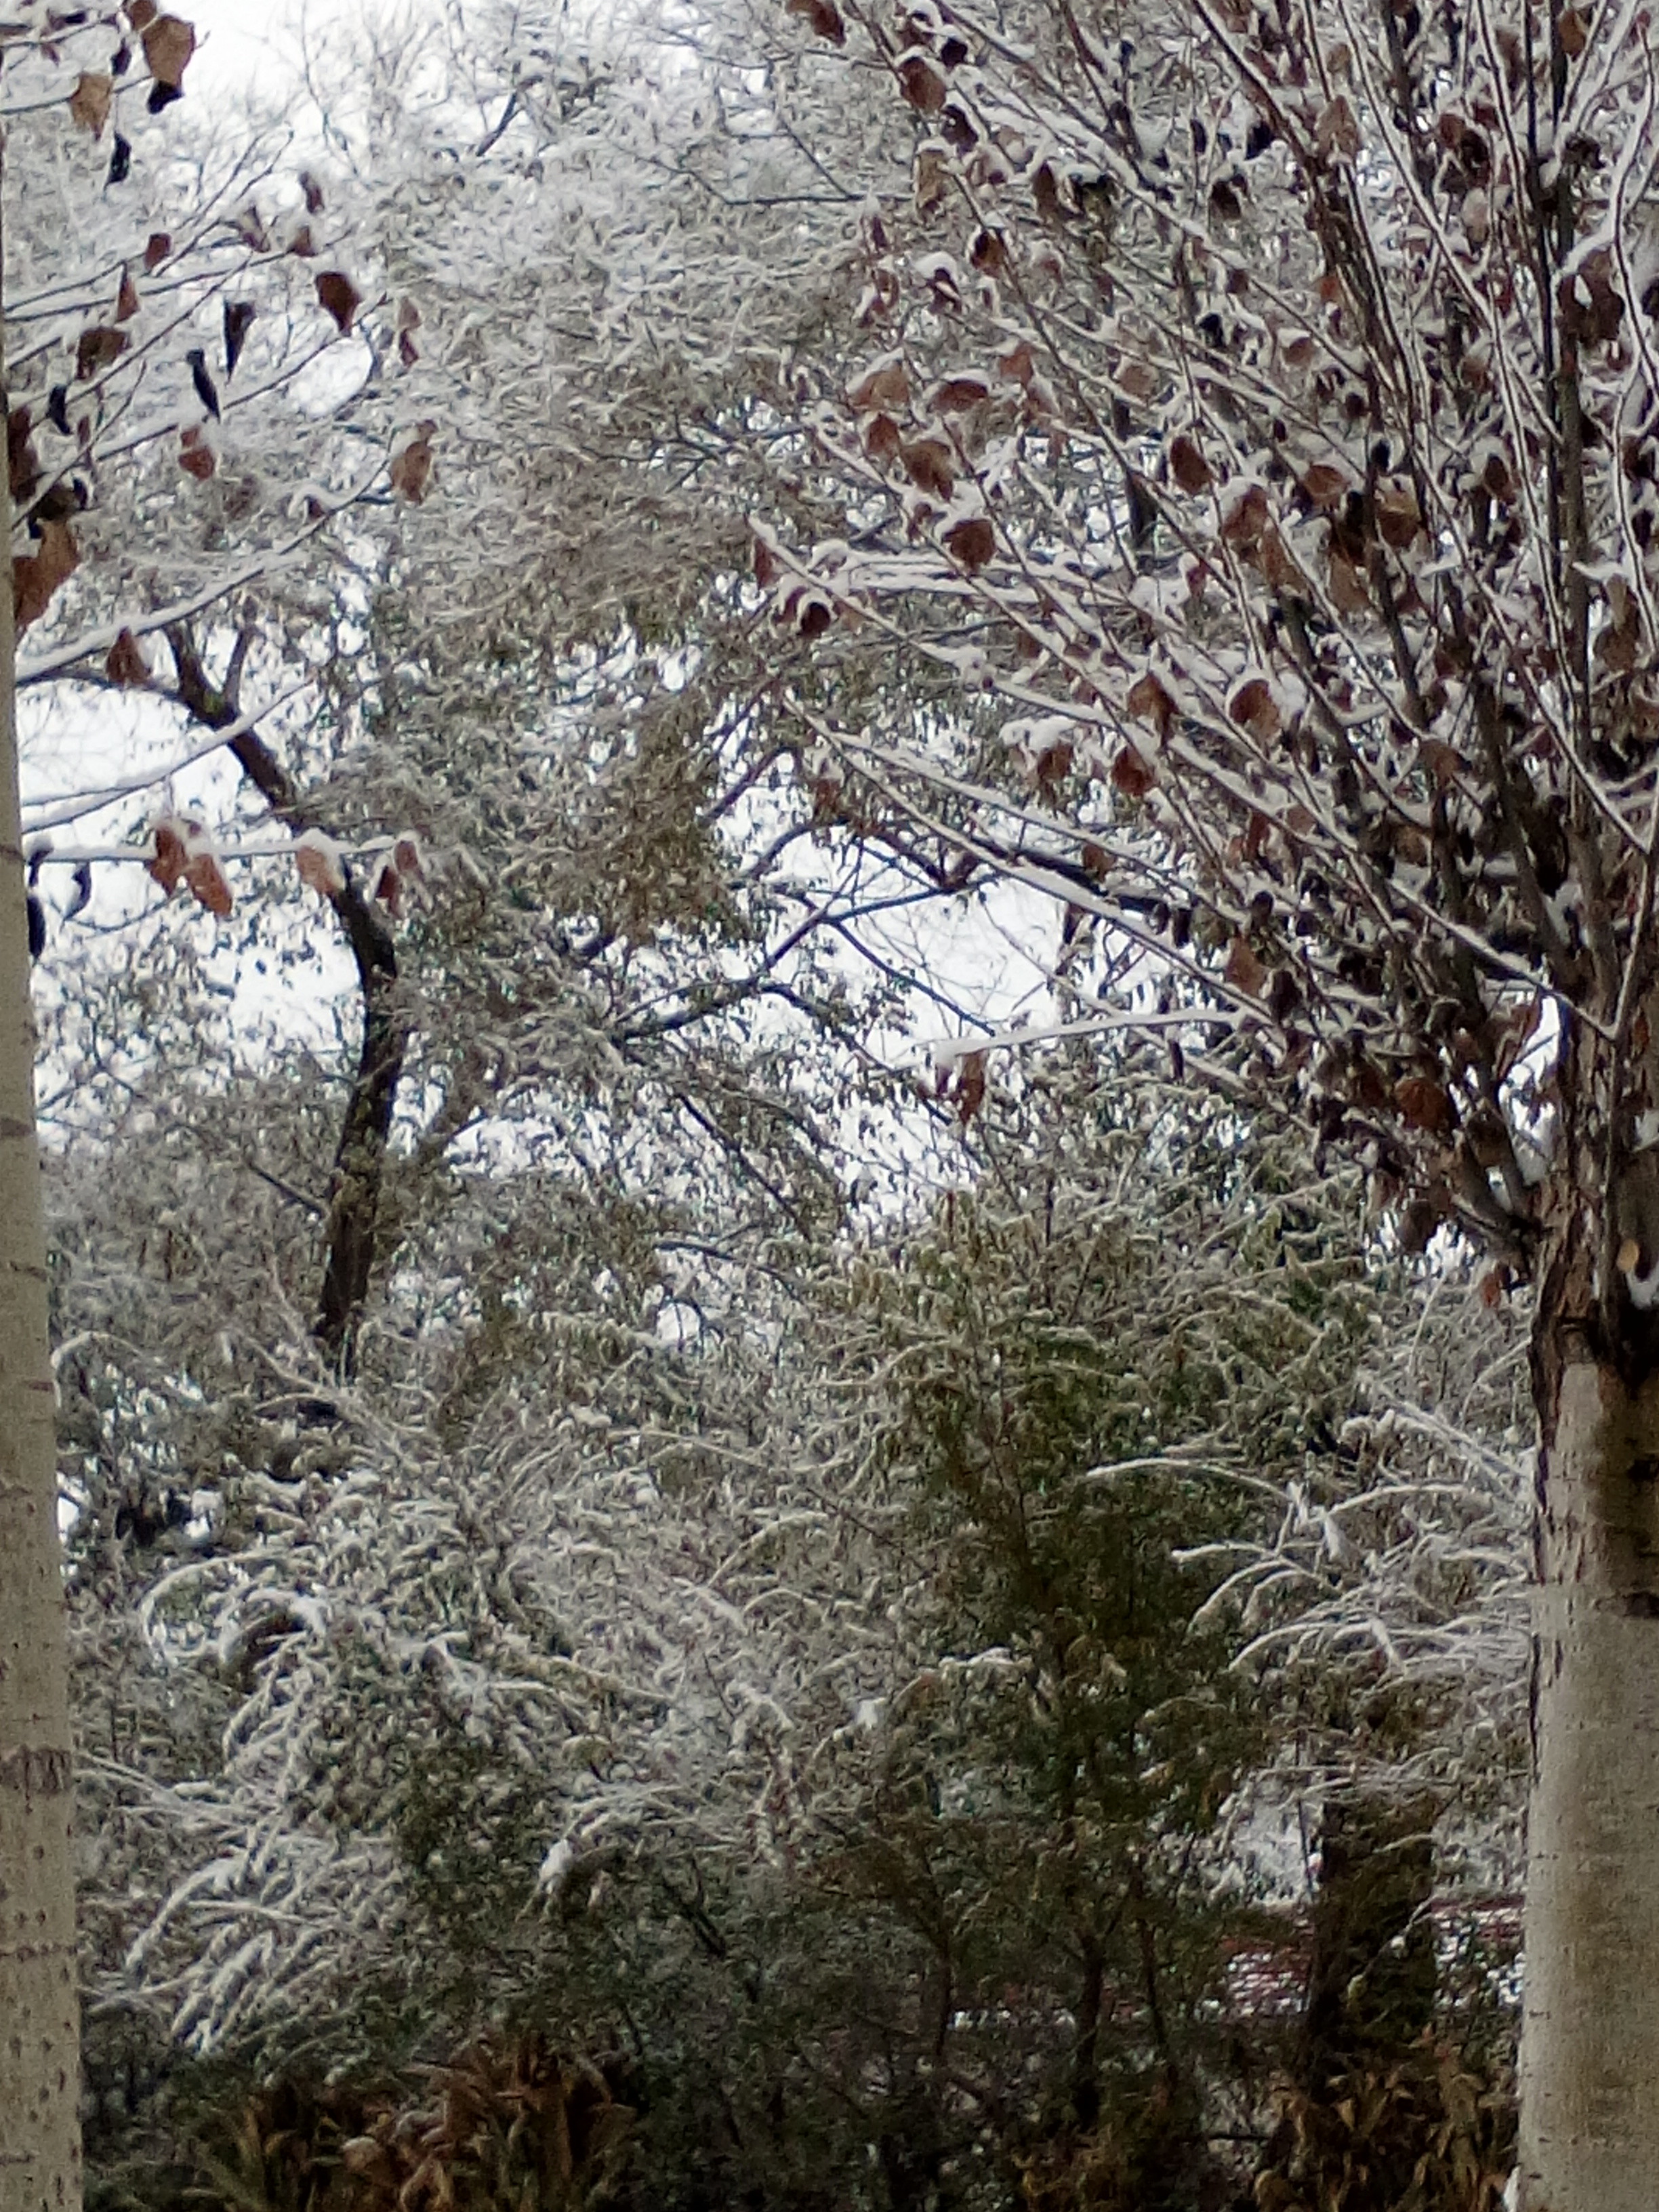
(923, 82)
(1425, 1104)
(824, 17)
(882, 384)
(411, 466)
(125, 664)
(338, 297)
(36, 576)
(1255, 708)
(972, 542)
(196, 456)
(1151, 702)
(96, 349)
(24, 463)
(1243, 971)
(930, 465)
(1132, 774)
(1188, 466)
(169, 42)
(319, 860)
(90, 102)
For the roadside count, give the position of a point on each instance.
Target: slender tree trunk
(39, 2030)
(1589, 2046)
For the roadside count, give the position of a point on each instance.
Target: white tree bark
(40, 2026)
(1590, 2052)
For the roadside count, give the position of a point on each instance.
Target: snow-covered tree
(1253, 452)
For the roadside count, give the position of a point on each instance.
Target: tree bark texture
(39, 2026)
(1590, 2049)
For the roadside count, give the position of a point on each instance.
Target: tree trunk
(39, 2031)
(1589, 2043)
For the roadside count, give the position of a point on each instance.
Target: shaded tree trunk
(40, 2027)
(1589, 2046)
(1371, 1978)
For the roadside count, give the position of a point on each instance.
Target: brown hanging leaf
(1243, 971)
(931, 179)
(1131, 773)
(1337, 130)
(1443, 761)
(339, 297)
(302, 244)
(411, 466)
(1350, 594)
(126, 665)
(971, 541)
(882, 438)
(1323, 485)
(767, 567)
(882, 384)
(126, 297)
(1255, 708)
(1188, 466)
(1150, 702)
(157, 247)
(239, 321)
(929, 464)
(922, 82)
(23, 462)
(389, 889)
(169, 42)
(312, 191)
(824, 17)
(206, 878)
(1572, 28)
(90, 102)
(958, 394)
(196, 456)
(167, 864)
(1398, 518)
(969, 1085)
(36, 575)
(141, 14)
(1424, 1104)
(319, 860)
(96, 349)
(1246, 518)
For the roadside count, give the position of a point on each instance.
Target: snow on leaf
(884, 384)
(320, 863)
(923, 82)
